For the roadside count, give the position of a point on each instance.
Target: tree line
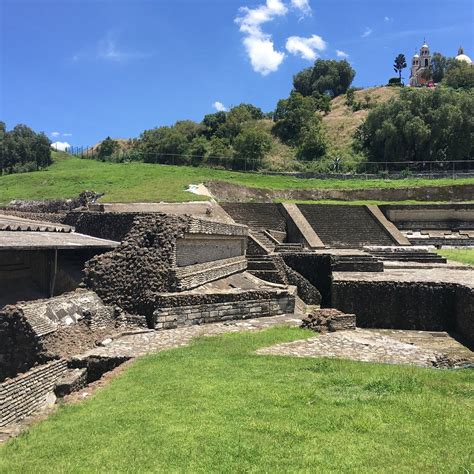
(245, 134)
(22, 149)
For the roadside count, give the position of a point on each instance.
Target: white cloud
(55, 134)
(387, 19)
(307, 48)
(263, 56)
(367, 32)
(67, 134)
(108, 49)
(219, 106)
(60, 146)
(260, 48)
(341, 54)
(259, 45)
(302, 5)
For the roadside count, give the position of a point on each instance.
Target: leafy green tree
(22, 149)
(213, 122)
(107, 148)
(250, 147)
(460, 76)
(325, 77)
(237, 117)
(313, 143)
(291, 116)
(198, 150)
(165, 145)
(420, 125)
(219, 151)
(399, 65)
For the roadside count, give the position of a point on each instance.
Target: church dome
(416, 55)
(463, 57)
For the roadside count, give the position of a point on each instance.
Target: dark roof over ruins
(17, 233)
(19, 224)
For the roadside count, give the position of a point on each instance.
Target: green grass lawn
(216, 406)
(459, 255)
(141, 182)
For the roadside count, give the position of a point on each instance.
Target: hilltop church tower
(420, 67)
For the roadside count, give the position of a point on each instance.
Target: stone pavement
(421, 348)
(146, 342)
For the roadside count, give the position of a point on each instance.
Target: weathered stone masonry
(148, 260)
(23, 395)
(172, 317)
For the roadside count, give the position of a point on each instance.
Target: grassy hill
(342, 121)
(142, 182)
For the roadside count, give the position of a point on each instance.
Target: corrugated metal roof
(19, 224)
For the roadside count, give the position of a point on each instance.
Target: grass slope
(215, 406)
(341, 122)
(459, 255)
(141, 182)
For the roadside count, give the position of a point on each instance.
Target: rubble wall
(103, 225)
(19, 346)
(314, 268)
(397, 305)
(146, 262)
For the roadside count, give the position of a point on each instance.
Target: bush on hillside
(250, 147)
(313, 143)
(22, 149)
(292, 115)
(420, 125)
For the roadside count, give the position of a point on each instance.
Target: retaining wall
(172, 316)
(27, 393)
(425, 306)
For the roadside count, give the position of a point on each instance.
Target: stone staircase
(290, 247)
(263, 238)
(341, 226)
(405, 254)
(263, 267)
(356, 263)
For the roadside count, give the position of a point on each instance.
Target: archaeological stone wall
(426, 306)
(314, 268)
(103, 225)
(23, 395)
(279, 302)
(37, 331)
(146, 263)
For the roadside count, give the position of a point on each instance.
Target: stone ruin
(163, 271)
(168, 271)
(328, 320)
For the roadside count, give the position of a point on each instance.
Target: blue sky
(80, 70)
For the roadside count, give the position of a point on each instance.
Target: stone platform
(421, 348)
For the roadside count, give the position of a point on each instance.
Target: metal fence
(396, 169)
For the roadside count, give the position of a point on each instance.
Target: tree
(107, 148)
(313, 144)
(22, 149)
(198, 150)
(399, 65)
(166, 145)
(291, 116)
(420, 125)
(212, 123)
(325, 77)
(460, 76)
(219, 151)
(250, 147)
